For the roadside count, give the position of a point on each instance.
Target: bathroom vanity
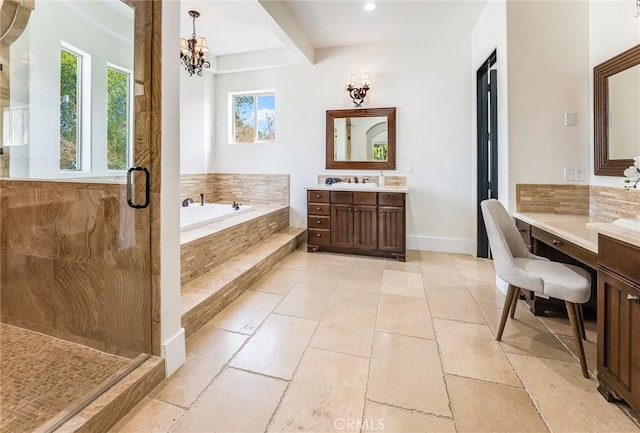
(357, 219)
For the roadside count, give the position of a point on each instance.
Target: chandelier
(358, 93)
(192, 51)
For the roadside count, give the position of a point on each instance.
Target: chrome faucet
(201, 199)
(186, 201)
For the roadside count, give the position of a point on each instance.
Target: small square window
(253, 117)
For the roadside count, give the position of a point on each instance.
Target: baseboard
(443, 245)
(174, 353)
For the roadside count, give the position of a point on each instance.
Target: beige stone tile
(402, 283)
(582, 408)
(408, 266)
(278, 281)
(470, 350)
(346, 329)
(480, 407)
(246, 313)
(477, 277)
(406, 372)
(488, 295)
(436, 276)
(436, 259)
(276, 348)
(334, 259)
(358, 298)
(380, 417)
(412, 256)
(299, 259)
(368, 262)
(405, 315)
(208, 350)
(326, 275)
(328, 387)
(526, 334)
(152, 416)
(237, 401)
(360, 284)
(470, 262)
(306, 300)
(590, 352)
(355, 271)
(558, 322)
(454, 304)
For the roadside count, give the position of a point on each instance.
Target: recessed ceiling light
(370, 6)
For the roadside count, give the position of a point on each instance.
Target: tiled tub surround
(227, 187)
(203, 248)
(599, 202)
(68, 256)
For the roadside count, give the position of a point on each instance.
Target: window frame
(231, 112)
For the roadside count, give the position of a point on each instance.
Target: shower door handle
(130, 187)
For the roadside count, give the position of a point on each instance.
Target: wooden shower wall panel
(68, 252)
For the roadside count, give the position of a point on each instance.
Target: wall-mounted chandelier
(192, 50)
(358, 93)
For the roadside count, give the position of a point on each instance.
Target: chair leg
(514, 303)
(572, 311)
(505, 310)
(583, 333)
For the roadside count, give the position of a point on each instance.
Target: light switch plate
(570, 119)
(578, 174)
(568, 173)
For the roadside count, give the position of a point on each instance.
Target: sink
(628, 223)
(357, 185)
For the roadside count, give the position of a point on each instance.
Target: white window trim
(230, 112)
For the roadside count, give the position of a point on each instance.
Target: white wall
(36, 83)
(548, 76)
(427, 80)
(613, 28)
(196, 121)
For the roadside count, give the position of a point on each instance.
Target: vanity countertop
(345, 186)
(582, 230)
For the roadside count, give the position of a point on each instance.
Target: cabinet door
(391, 231)
(619, 334)
(342, 225)
(365, 227)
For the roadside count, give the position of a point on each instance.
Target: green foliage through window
(254, 118)
(69, 111)
(117, 119)
(380, 152)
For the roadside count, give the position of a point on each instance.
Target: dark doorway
(487, 143)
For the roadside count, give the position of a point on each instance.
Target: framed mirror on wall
(361, 139)
(616, 98)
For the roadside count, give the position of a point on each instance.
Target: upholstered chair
(515, 265)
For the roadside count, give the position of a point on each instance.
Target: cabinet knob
(355, 210)
(556, 242)
(349, 209)
(317, 208)
(317, 195)
(318, 222)
(633, 298)
(318, 234)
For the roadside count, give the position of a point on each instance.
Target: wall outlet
(578, 174)
(568, 173)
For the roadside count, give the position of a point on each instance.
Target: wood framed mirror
(361, 139)
(616, 99)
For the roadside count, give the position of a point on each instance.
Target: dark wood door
(618, 337)
(342, 225)
(365, 227)
(391, 229)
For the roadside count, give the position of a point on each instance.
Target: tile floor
(330, 342)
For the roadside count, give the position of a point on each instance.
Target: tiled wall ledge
(227, 187)
(388, 180)
(606, 203)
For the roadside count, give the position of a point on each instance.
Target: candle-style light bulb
(350, 80)
(365, 80)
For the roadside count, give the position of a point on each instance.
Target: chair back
(504, 239)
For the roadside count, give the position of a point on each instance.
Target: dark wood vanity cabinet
(619, 321)
(369, 223)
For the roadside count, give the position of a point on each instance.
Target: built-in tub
(196, 215)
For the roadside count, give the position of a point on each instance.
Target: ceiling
(279, 33)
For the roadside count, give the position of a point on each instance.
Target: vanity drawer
(619, 257)
(370, 198)
(566, 247)
(318, 222)
(316, 196)
(341, 197)
(318, 209)
(391, 199)
(318, 237)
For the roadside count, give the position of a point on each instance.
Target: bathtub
(196, 215)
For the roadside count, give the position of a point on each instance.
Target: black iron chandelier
(192, 50)
(358, 93)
